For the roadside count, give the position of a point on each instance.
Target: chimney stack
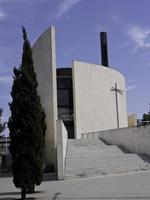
(104, 50)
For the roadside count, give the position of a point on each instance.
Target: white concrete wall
(94, 102)
(44, 57)
(132, 120)
(135, 139)
(62, 138)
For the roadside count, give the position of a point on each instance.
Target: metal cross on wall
(117, 107)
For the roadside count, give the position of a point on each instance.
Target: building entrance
(65, 99)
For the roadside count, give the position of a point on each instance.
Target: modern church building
(86, 97)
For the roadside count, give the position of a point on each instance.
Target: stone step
(85, 142)
(86, 158)
(96, 150)
(85, 166)
(105, 165)
(83, 173)
(140, 165)
(106, 157)
(87, 172)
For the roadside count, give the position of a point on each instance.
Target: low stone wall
(62, 138)
(135, 139)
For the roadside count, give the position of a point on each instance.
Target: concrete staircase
(86, 158)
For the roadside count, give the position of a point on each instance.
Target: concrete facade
(95, 106)
(44, 56)
(132, 120)
(99, 97)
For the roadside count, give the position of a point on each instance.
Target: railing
(143, 123)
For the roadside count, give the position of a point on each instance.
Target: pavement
(131, 186)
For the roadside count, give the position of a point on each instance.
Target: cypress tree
(146, 118)
(26, 124)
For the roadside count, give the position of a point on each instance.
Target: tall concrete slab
(95, 105)
(44, 56)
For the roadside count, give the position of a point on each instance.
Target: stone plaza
(117, 187)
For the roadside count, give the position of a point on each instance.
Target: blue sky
(78, 23)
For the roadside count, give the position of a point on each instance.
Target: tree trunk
(23, 193)
(31, 189)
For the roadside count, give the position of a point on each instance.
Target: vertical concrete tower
(44, 56)
(104, 49)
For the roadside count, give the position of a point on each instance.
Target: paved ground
(120, 187)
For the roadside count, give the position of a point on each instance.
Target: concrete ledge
(62, 138)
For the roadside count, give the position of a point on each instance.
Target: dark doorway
(65, 99)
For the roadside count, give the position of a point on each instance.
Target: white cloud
(5, 118)
(131, 87)
(100, 29)
(5, 97)
(3, 67)
(64, 7)
(116, 19)
(125, 44)
(2, 15)
(70, 51)
(5, 1)
(5, 79)
(140, 37)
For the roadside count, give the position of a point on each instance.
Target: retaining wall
(135, 139)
